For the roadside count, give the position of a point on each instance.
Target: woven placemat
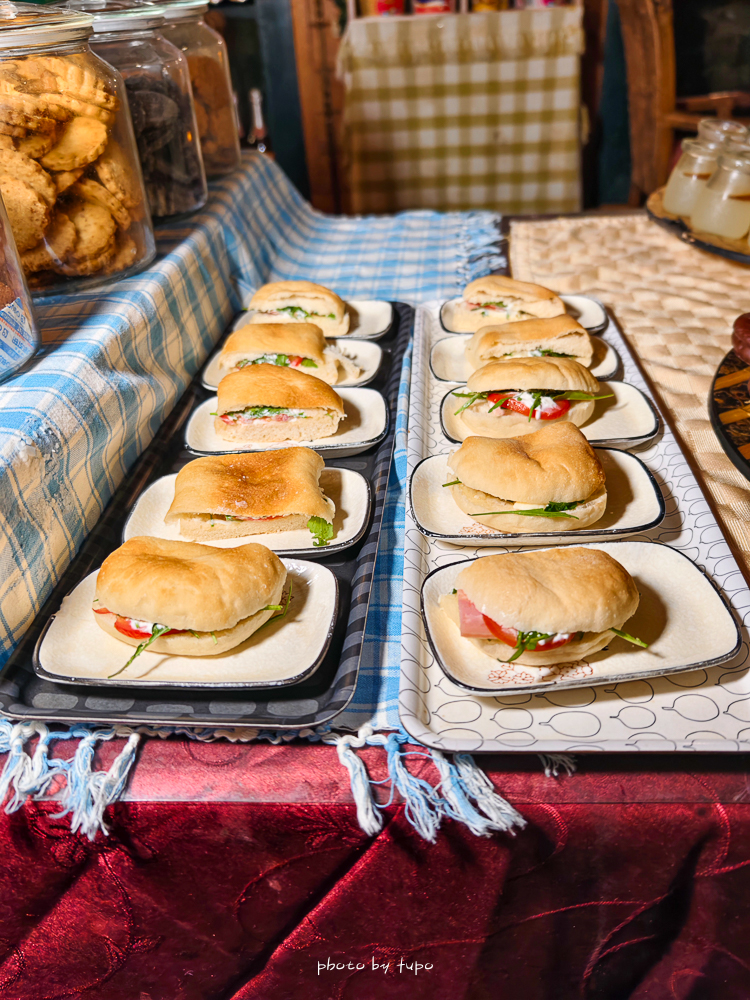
(676, 306)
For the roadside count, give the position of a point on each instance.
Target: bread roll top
(186, 585)
(555, 374)
(256, 484)
(306, 294)
(498, 287)
(302, 339)
(556, 590)
(555, 463)
(526, 330)
(271, 385)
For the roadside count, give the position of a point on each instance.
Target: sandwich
(268, 403)
(497, 299)
(508, 398)
(300, 302)
(557, 337)
(233, 496)
(297, 345)
(543, 607)
(185, 599)
(550, 480)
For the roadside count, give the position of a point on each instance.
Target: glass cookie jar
(723, 207)
(69, 171)
(157, 81)
(207, 58)
(692, 170)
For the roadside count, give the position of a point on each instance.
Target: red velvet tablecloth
(632, 879)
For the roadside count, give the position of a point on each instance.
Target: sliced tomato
(100, 611)
(125, 628)
(295, 361)
(555, 643)
(506, 635)
(509, 402)
(561, 406)
(495, 397)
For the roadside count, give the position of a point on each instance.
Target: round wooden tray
(737, 250)
(729, 407)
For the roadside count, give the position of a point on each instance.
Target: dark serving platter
(681, 231)
(313, 701)
(729, 408)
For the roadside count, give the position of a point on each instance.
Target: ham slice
(473, 625)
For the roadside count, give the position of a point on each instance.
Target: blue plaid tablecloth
(115, 361)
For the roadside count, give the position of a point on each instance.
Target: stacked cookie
(214, 111)
(71, 194)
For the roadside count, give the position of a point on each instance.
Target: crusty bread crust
(494, 286)
(256, 339)
(559, 333)
(557, 374)
(261, 484)
(270, 385)
(554, 462)
(569, 589)
(189, 586)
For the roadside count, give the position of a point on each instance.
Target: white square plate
(634, 504)
(73, 649)
(369, 319)
(587, 310)
(349, 491)
(682, 616)
(366, 356)
(366, 424)
(627, 418)
(448, 361)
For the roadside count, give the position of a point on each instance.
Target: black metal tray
(25, 696)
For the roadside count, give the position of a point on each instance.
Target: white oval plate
(628, 418)
(349, 491)
(369, 319)
(448, 360)
(587, 310)
(365, 355)
(366, 424)
(677, 603)
(73, 649)
(634, 503)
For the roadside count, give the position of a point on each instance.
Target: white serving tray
(369, 319)
(448, 359)
(587, 310)
(366, 424)
(634, 504)
(366, 356)
(73, 649)
(349, 491)
(628, 418)
(706, 709)
(677, 600)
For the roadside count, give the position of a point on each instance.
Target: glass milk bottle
(720, 130)
(723, 207)
(687, 180)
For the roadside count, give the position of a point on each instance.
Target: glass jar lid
(699, 147)
(121, 15)
(27, 24)
(718, 129)
(177, 9)
(735, 161)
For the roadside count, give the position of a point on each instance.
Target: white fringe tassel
(88, 793)
(368, 816)
(499, 812)
(553, 763)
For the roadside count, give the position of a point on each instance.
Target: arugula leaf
(472, 398)
(321, 529)
(158, 630)
(545, 352)
(527, 641)
(275, 618)
(216, 641)
(456, 482)
(551, 510)
(630, 638)
(308, 363)
(294, 310)
(581, 395)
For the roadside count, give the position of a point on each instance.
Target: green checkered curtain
(464, 111)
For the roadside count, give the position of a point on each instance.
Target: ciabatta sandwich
(234, 496)
(544, 607)
(186, 599)
(550, 480)
(511, 397)
(287, 345)
(497, 299)
(300, 302)
(268, 403)
(557, 337)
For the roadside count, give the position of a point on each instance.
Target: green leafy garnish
(536, 394)
(158, 630)
(630, 638)
(294, 311)
(263, 411)
(321, 529)
(308, 363)
(275, 618)
(472, 398)
(454, 591)
(456, 482)
(527, 641)
(216, 641)
(551, 510)
(545, 352)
